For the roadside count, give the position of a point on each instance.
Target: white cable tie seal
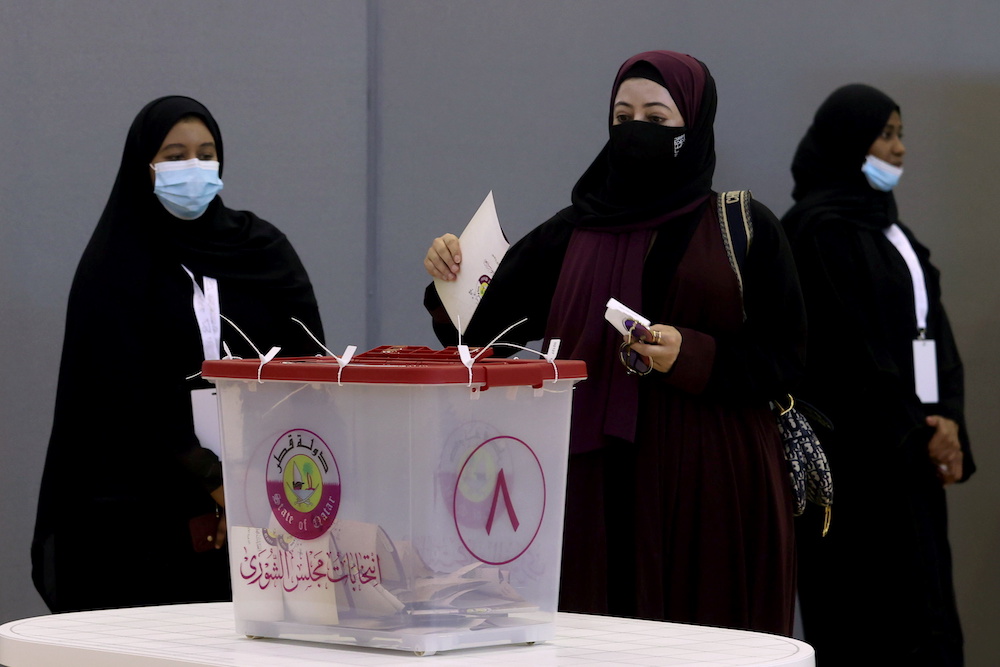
(264, 358)
(467, 360)
(463, 351)
(315, 340)
(500, 335)
(342, 360)
(550, 357)
(228, 356)
(465, 355)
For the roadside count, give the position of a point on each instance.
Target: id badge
(925, 377)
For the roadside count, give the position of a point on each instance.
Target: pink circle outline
(454, 501)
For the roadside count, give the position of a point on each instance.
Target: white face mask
(880, 174)
(186, 187)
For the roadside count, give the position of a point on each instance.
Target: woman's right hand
(443, 258)
(945, 449)
(664, 348)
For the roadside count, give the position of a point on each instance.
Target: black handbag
(807, 463)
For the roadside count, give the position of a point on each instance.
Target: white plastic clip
(342, 360)
(264, 358)
(463, 352)
(466, 356)
(550, 357)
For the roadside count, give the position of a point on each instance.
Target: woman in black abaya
(678, 503)
(880, 581)
(129, 496)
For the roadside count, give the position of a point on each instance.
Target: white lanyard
(898, 239)
(925, 380)
(206, 311)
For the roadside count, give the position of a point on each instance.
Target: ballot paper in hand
(483, 246)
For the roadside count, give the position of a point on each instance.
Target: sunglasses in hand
(635, 363)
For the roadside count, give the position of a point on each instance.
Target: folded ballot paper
(483, 247)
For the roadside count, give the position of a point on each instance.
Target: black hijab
(138, 233)
(827, 164)
(122, 439)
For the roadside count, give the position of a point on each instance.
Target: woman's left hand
(945, 449)
(663, 351)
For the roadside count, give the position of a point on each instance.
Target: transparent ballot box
(402, 501)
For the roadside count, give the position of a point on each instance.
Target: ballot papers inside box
(403, 501)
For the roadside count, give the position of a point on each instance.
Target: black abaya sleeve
(951, 387)
(521, 288)
(951, 373)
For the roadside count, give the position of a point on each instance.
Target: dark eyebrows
(207, 144)
(646, 105)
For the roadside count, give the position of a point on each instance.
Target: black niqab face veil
(606, 196)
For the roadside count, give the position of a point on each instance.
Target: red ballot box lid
(401, 364)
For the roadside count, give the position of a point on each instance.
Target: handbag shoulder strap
(736, 226)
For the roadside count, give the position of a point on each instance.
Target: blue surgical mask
(186, 188)
(880, 174)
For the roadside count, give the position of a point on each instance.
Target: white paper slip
(483, 247)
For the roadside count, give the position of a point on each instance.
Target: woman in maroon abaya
(678, 503)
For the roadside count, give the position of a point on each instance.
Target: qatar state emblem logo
(303, 484)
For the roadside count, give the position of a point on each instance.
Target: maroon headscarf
(614, 231)
(595, 199)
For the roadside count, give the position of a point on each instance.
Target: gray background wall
(366, 129)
